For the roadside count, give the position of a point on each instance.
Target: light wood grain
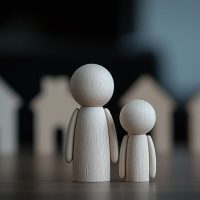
(69, 141)
(138, 117)
(91, 160)
(152, 157)
(92, 85)
(137, 161)
(114, 150)
(122, 158)
(95, 136)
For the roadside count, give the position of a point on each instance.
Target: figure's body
(137, 154)
(91, 138)
(91, 146)
(137, 162)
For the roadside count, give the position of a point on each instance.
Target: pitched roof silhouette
(8, 95)
(145, 87)
(51, 89)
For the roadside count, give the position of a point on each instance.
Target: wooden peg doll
(137, 154)
(91, 138)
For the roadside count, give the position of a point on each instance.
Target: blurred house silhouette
(10, 103)
(52, 110)
(193, 108)
(148, 89)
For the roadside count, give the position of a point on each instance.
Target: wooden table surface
(28, 177)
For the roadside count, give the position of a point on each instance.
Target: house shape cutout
(10, 102)
(193, 110)
(52, 110)
(147, 88)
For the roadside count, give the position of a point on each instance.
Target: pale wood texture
(114, 150)
(92, 85)
(122, 157)
(137, 161)
(193, 109)
(148, 89)
(69, 142)
(91, 159)
(152, 157)
(10, 102)
(95, 136)
(52, 110)
(138, 117)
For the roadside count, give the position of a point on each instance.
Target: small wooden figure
(148, 89)
(137, 154)
(91, 136)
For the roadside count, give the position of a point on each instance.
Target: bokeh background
(129, 38)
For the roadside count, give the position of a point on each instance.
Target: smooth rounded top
(92, 85)
(137, 117)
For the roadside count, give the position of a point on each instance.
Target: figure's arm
(122, 157)
(69, 141)
(152, 157)
(114, 151)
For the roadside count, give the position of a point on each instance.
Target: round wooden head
(92, 85)
(137, 117)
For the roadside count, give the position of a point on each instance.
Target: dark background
(55, 39)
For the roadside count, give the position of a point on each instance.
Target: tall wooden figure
(91, 136)
(137, 154)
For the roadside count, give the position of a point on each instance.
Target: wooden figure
(10, 102)
(91, 136)
(137, 154)
(193, 109)
(52, 111)
(148, 89)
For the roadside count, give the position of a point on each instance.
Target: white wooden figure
(10, 102)
(52, 110)
(91, 138)
(137, 154)
(193, 109)
(148, 89)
